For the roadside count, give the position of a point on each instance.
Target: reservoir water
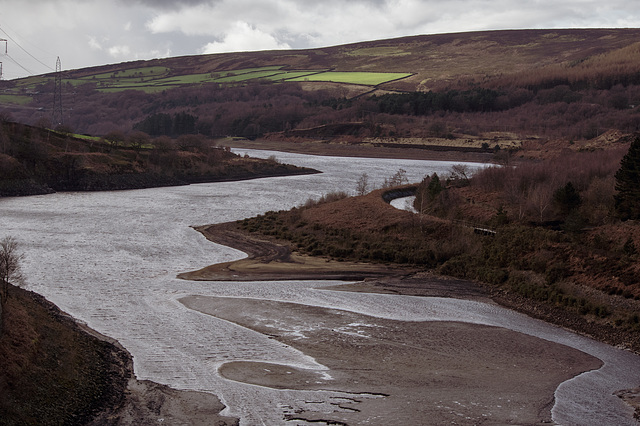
(110, 259)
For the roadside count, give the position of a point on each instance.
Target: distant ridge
(477, 88)
(434, 59)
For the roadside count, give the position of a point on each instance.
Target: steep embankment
(55, 371)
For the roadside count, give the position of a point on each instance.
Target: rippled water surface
(110, 259)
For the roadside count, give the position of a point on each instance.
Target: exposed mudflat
(399, 371)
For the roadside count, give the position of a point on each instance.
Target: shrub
(557, 272)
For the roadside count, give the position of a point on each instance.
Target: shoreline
(270, 259)
(336, 149)
(108, 395)
(275, 261)
(396, 372)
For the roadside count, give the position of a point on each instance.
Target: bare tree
(10, 271)
(460, 172)
(541, 197)
(399, 178)
(362, 186)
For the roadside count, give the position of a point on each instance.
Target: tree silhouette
(10, 260)
(627, 200)
(567, 198)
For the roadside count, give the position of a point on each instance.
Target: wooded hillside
(36, 160)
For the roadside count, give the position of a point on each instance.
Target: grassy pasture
(246, 71)
(184, 79)
(272, 75)
(291, 75)
(364, 78)
(156, 79)
(15, 99)
(237, 78)
(131, 73)
(145, 89)
(30, 82)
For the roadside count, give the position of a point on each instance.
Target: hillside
(56, 371)
(36, 160)
(430, 60)
(504, 88)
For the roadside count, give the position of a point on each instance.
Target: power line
(25, 51)
(18, 64)
(26, 40)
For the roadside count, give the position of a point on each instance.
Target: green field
(15, 99)
(157, 79)
(364, 78)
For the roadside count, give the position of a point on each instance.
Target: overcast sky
(95, 32)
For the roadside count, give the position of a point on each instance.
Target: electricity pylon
(57, 118)
(6, 51)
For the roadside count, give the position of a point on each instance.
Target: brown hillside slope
(55, 371)
(436, 60)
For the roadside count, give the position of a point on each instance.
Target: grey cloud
(169, 4)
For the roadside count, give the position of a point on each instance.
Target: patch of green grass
(294, 74)
(30, 82)
(131, 73)
(15, 99)
(86, 137)
(364, 78)
(184, 79)
(157, 79)
(146, 71)
(220, 74)
(248, 76)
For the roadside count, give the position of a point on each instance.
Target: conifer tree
(627, 199)
(567, 198)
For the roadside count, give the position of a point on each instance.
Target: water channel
(110, 259)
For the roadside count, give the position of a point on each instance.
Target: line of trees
(627, 198)
(180, 123)
(424, 103)
(574, 191)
